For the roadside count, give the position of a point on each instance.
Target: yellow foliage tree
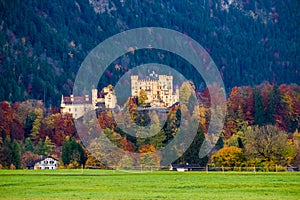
(142, 98)
(36, 126)
(229, 157)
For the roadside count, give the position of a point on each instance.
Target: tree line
(260, 129)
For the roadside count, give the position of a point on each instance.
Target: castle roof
(102, 94)
(76, 100)
(82, 99)
(148, 78)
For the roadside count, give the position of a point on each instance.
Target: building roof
(102, 94)
(82, 99)
(151, 77)
(77, 100)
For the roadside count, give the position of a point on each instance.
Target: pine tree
(72, 152)
(191, 155)
(66, 152)
(141, 137)
(29, 123)
(5, 153)
(41, 148)
(16, 154)
(29, 145)
(10, 153)
(158, 135)
(258, 108)
(273, 105)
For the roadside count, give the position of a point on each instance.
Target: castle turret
(134, 85)
(62, 103)
(94, 96)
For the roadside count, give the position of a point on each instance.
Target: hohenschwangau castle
(159, 90)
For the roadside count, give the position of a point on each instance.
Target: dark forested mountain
(42, 43)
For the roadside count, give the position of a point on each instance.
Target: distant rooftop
(152, 76)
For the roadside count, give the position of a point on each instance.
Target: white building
(45, 162)
(110, 99)
(159, 89)
(79, 105)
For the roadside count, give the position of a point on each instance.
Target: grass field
(104, 184)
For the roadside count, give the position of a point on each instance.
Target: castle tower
(94, 97)
(176, 95)
(62, 103)
(134, 85)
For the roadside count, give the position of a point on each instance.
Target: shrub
(61, 167)
(70, 166)
(12, 167)
(281, 169)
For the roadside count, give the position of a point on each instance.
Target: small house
(44, 162)
(185, 167)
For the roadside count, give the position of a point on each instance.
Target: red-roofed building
(79, 105)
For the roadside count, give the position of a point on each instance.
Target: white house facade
(45, 162)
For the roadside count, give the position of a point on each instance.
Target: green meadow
(105, 184)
